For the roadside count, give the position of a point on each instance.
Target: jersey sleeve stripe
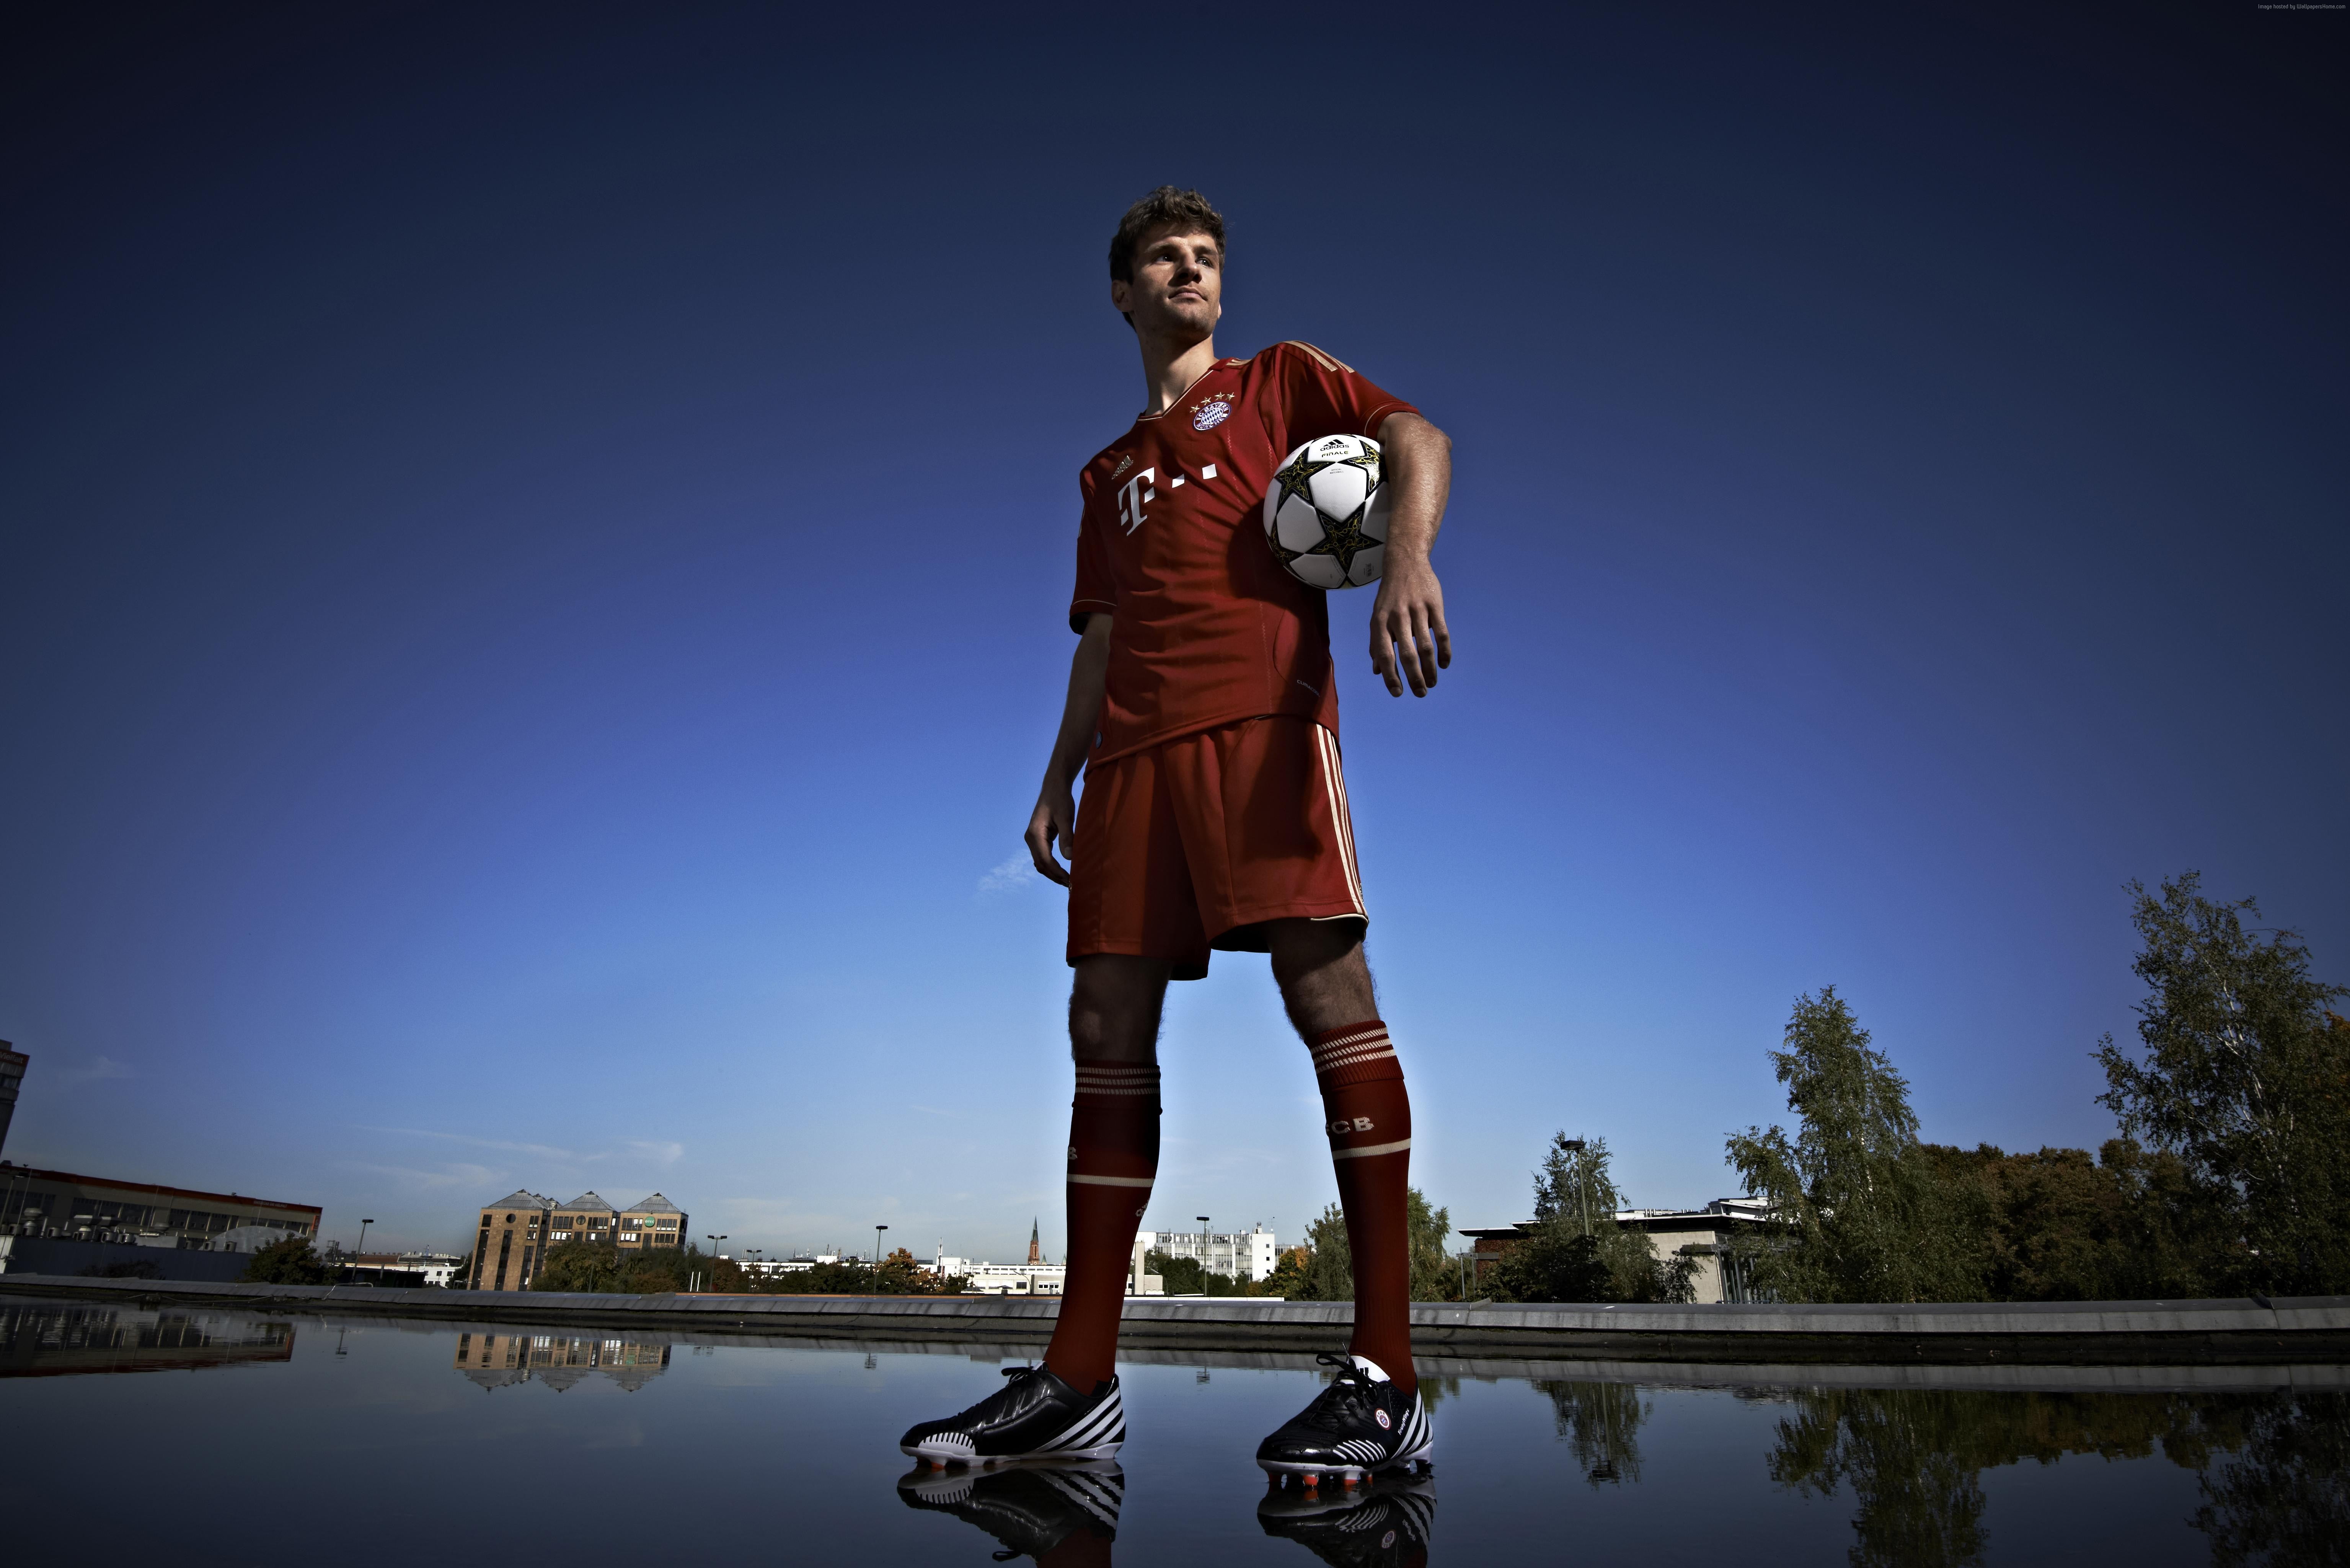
(1319, 358)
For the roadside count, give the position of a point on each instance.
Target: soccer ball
(1326, 516)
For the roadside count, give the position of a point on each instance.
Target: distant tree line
(2231, 1175)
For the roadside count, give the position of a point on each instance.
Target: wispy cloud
(535, 1150)
(1016, 873)
(434, 1179)
(667, 1153)
(98, 1067)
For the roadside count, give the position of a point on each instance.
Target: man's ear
(1121, 297)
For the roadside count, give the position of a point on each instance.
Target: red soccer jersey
(1207, 628)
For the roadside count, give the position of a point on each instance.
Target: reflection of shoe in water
(1357, 1425)
(1383, 1523)
(1034, 1417)
(1031, 1509)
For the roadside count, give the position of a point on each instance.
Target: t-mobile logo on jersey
(1136, 494)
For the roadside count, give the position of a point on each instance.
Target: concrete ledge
(2246, 1332)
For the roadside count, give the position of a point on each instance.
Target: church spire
(1035, 1256)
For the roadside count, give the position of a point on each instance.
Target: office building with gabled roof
(511, 1242)
(585, 1218)
(654, 1221)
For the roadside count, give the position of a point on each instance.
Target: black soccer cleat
(1356, 1426)
(1031, 1509)
(1034, 1417)
(1385, 1524)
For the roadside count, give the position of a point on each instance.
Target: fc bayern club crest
(1211, 413)
(1384, 1422)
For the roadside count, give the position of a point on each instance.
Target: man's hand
(1409, 641)
(1054, 819)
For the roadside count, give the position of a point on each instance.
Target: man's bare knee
(1325, 979)
(1115, 1006)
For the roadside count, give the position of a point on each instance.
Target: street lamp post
(363, 1251)
(876, 1257)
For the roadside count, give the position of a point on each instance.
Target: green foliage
(1288, 1277)
(601, 1267)
(1859, 1213)
(291, 1261)
(1571, 1258)
(1326, 1272)
(899, 1274)
(1434, 1277)
(2244, 1076)
(1190, 1277)
(2060, 1226)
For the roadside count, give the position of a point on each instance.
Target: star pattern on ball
(1342, 538)
(1296, 480)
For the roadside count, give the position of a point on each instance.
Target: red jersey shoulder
(1327, 363)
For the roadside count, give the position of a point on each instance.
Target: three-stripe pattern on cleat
(1104, 1425)
(1101, 1493)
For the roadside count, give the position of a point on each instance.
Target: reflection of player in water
(1202, 708)
(1065, 1516)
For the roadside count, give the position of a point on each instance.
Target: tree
(291, 1262)
(1859, 1214)
(2244, 1074)
(580, 1266)
(1578, 1252)
(1289, 1271)
(1327, 1274)
(2057, 1225)
(1434, 1277)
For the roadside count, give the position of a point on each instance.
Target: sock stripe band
(1395, 1147)
(1115, 1181)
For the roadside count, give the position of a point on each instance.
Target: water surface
(244, 1437)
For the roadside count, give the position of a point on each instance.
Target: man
(1202, 708)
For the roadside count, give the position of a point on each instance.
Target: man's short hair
(1170, 206)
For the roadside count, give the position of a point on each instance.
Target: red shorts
(1194, 844)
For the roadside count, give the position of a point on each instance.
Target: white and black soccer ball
(1326, 516)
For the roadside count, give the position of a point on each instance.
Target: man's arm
(1409, 641)
(1056, 803)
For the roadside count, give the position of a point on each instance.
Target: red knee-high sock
(1113, 1155)
(1370, 1145)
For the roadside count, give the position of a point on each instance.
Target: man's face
(1178, 287)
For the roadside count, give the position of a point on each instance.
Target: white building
(1235, 1254)
(438, 1268)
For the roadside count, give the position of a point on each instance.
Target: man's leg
(1114, 1011)
(1325, 984)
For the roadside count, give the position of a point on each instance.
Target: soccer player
(1203, 712)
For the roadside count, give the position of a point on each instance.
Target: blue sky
(535, 554)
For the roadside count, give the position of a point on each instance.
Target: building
(438, 1268)
(12, 1063)
(511, 1242)
(655, 1223)
(1702, 1234)
(57, 1203)
(585, 1218)
(1237, 1255)
(496, 1360)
